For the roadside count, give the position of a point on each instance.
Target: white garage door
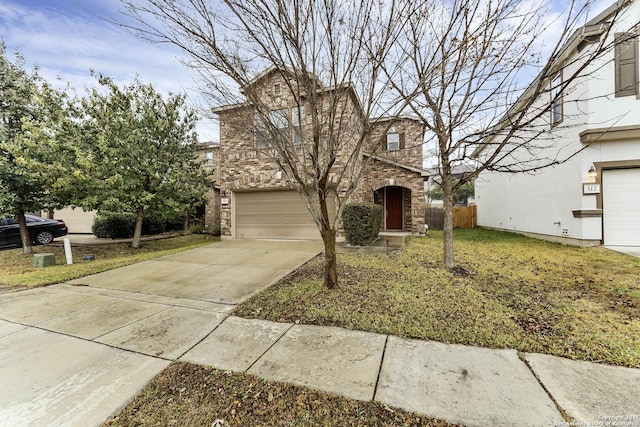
(77, 220)
(274, 215)
(621, 207)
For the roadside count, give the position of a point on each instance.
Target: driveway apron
(73, 354)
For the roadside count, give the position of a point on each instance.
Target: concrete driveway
(73, 354)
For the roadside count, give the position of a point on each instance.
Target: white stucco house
(594, 198)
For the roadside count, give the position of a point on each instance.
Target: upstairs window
(280, 120)
(626, 64)
(556, 100)
(260, 132)
(208, 156)
(276, 89)
(394, 140)
(297, 122)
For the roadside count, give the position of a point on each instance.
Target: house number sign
(590, 188)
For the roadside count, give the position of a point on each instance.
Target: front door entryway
(393, 208)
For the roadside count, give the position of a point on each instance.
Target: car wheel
(44, 237)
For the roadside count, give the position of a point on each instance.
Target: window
(276, 89)
(393, 141)
(260, 132)
(280, 120)
(208, 158)
(297, 121)
(626, 64)
(556, 99)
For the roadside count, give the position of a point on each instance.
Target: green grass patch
(18, 271)
(521, 293)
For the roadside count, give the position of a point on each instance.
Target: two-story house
(258, 201)
(594, 198)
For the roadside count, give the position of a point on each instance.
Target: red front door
(393, 201)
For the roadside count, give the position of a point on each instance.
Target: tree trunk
(329, 240)
(24, 233)
(135, 244)
(447, 227)
(330, 258)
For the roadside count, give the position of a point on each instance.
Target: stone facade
(243, 164)
(209, 214)
(381, 175)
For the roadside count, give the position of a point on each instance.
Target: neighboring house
(594, 198)
(209, 213)
(257, 200)
(456, 173)
(78, 221)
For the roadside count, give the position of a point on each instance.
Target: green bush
(122, 225)
(114, 225)
(216, 230)
(361, 222)
(153, 225)
(197, 229)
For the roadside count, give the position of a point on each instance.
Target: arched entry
(396, 202)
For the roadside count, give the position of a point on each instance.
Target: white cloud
(67, 38)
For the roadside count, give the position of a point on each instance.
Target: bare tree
(326, 52)
(480, 75)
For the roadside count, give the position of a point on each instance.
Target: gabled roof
(347, 87)
(394, 118)
(275, 69)
(455, 170)
(585, 35)
(423, 172)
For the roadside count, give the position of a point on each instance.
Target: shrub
(216, 230)
(174, 224)
(361, 222)
(197, 229)
(153, 225)
(113, 225)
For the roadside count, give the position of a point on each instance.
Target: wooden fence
(463, 217)
(434, 218)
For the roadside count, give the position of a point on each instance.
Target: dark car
(41, 230)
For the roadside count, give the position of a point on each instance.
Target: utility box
(44, 260)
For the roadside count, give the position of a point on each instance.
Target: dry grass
(190, 395)
(533, 296)
(18, 271)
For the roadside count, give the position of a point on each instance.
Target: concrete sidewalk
(460, 384)
(73, 354)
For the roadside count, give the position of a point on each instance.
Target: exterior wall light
(592, 173)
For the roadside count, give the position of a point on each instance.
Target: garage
(77, 220)
(274, 215)
(621, 207)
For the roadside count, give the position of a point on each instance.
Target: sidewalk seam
(206, 336)
(384, 351)
(269, 348)
(92, 342)
(564, 414)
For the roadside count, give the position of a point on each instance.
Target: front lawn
(18, 271)
(511, 292)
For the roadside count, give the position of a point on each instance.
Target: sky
(68, 38)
